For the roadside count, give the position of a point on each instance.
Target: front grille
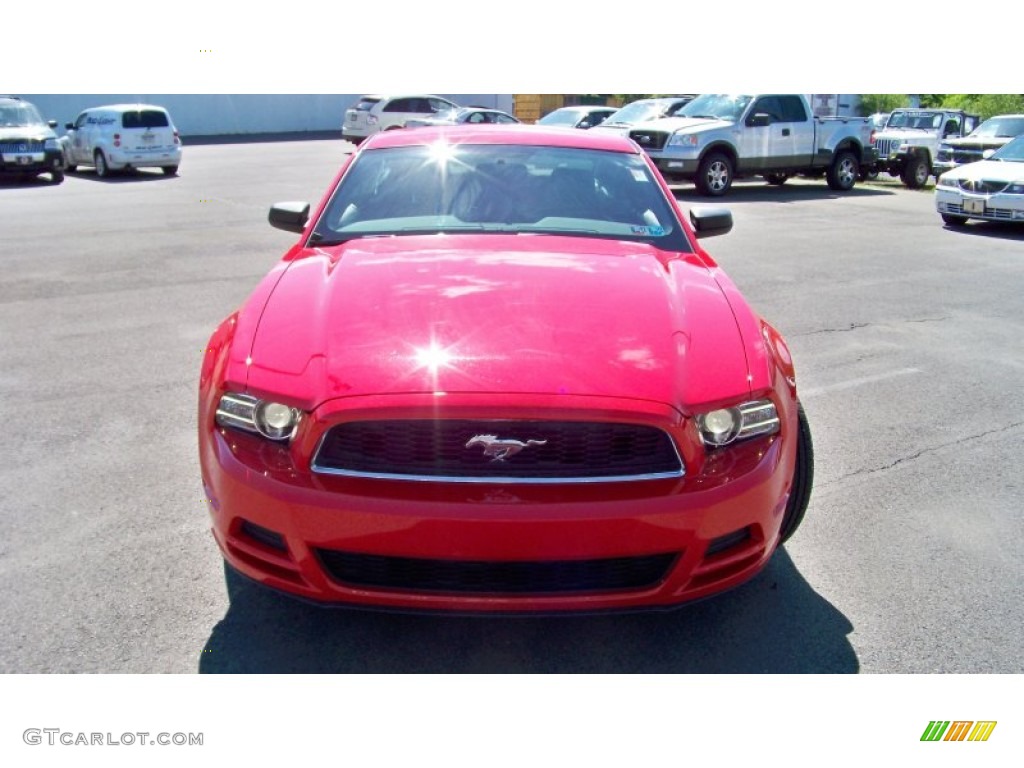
(465, 450)
(884, 146)
(961, 156)
(28, 145)
(507, 578)
(984, 186)
(649, 139)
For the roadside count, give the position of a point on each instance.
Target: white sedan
(990, 189)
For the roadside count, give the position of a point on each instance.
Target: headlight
(50, 144)
(683, 140)
(946, 180)
(275, 421)
(726, 425)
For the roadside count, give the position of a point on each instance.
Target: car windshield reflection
(448, 188)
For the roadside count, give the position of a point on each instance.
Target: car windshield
(922, 120)
(1012, 152)
(636, 112)
(719, 106)
(19, 116)
(489, 188)
(1000, 128)
(561, 117)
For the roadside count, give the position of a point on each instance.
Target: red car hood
(497, 314)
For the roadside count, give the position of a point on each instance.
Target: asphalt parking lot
(907, 338)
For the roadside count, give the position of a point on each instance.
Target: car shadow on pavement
(775, 623)
(130, 176)
(759, 192)
(1004, 230)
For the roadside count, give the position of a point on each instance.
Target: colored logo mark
(958, 730)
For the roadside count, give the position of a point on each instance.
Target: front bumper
(41, 161)
(676, 166)
(990, 207)
(493, 547)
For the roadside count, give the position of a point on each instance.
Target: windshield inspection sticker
(650, 231)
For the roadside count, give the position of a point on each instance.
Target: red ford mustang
(498, 373)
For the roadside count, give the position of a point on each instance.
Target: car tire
(843, 172)
(100, 161)
(57, 177)
(776, 179)
(916, 172)
(803, 478)
(954, 221)
(170, 170)
(714, 174)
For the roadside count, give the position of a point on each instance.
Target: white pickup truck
(718, 137)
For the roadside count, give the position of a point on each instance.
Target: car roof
(520, 135)
(126, 107)
(393, 96)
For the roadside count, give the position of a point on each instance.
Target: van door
(76, 140)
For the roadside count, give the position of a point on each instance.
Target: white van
(384, 113)
(121, 136)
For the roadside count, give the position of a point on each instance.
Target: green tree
(986, 104)
(882, 102)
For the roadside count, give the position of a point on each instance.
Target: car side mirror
(584, 124)
(52, 123)
(69, 126)
(987, 154)
(709, 222)
(759, 120)
(291, 217)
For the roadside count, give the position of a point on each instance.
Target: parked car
(989, 136)
(719, 137)
(28, 145)
(117, 137)
(372, 114)
(468, 115)
(576, 117)
(642, 110)
(498, 372)
(908, 144)
(991, 189)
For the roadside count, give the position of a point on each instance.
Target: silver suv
(383, 113)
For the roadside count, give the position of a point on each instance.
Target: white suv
(121, 136)
(383, 113)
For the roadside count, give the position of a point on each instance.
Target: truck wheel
(714, 175)
(843, 172)
(776, 179)
(916, 172)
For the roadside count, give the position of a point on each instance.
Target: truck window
(793, 109)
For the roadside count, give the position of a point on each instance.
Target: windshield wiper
(703, 117)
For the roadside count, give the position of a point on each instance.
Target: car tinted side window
(399, 105)
(439, 105)
(769, 105)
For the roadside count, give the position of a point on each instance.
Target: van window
(146, 118)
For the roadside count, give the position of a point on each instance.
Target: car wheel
(714, 175)
(843, 172)
(954, 221)
(916, 173)
(776, 179)
(803, 478)
(57, 177)
(170, 170)
(100, 161)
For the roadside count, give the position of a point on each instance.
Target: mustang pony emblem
(498, 449)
